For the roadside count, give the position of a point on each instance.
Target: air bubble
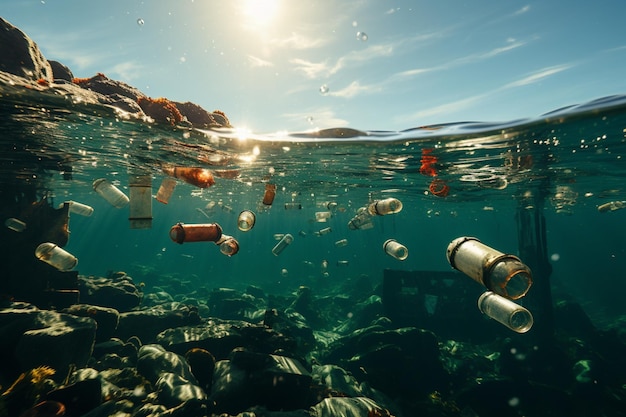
(140, 22)
(310, 120)
(324, 89)
(362, 36)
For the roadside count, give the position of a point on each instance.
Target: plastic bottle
(384, 207)
(228, 245)
(322, 216)
(200, 177)
(246, 220)
(110, 193)
(325, 230)
(362, 220)
(505, 311)
(282, 244)
(78, 208)
(270, 193)
(166, 190)
(15, 224)
(341, 243)
(503, 274)
(293, 206)
(209, 232)
(395, 249)
(56, 256)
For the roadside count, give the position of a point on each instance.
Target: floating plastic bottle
(330, 205)
(166, 190)
(293, 206)
(322, 216)
(282, 244)
(78, 208)
(270, 193)
(110, 193)
(362, 220)
(395, 249)
(184, 233)
(611, 206)
(325, 231)
(324, 268)
(341, 243)
(246, 220)
(343, 263)
(384, 207)
(505, 311)
(15, 224)
(503, 274)
(56, 256)
(228, 245)
(200, 177)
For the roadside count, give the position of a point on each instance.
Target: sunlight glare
(260, 12)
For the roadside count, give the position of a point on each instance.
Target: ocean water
(563, 164)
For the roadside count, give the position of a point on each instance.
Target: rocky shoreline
(24, 64)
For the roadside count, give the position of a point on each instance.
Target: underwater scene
(159, 260)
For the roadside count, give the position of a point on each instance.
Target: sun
(260, 13)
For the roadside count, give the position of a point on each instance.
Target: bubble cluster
(324, 89)
(140, 22)
(362, 36)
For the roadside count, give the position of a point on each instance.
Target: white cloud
(315, 70)
(538, 76)
(455, 106)
(258, 62)
(126, 71)
(299, 41)
(465, 60)
(523, 10)
(354, 89)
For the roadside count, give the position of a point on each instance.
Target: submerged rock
(220, 337)
(117, 291)
(106, 318)
(30, 337)
(146, 324)
(247, 379)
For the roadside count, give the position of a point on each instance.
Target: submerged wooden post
(533, 250)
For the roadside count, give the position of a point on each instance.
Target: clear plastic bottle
(341, 243)
(282, 244)
(246, 220)
(384, 207)
(506, 312)
(15, 224)
(56, 256)
(166, 190)
(395, 249)
(110, 193)
(228, 245)
(503, 274)
(78, 208)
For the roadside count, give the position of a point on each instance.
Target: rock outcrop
(21, 56)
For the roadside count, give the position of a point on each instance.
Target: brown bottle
(270, 193)
(200, 177)
(209, 232)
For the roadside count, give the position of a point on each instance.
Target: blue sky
(263, 61)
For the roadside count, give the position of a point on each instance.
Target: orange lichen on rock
(80, 81)
(160, 109)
